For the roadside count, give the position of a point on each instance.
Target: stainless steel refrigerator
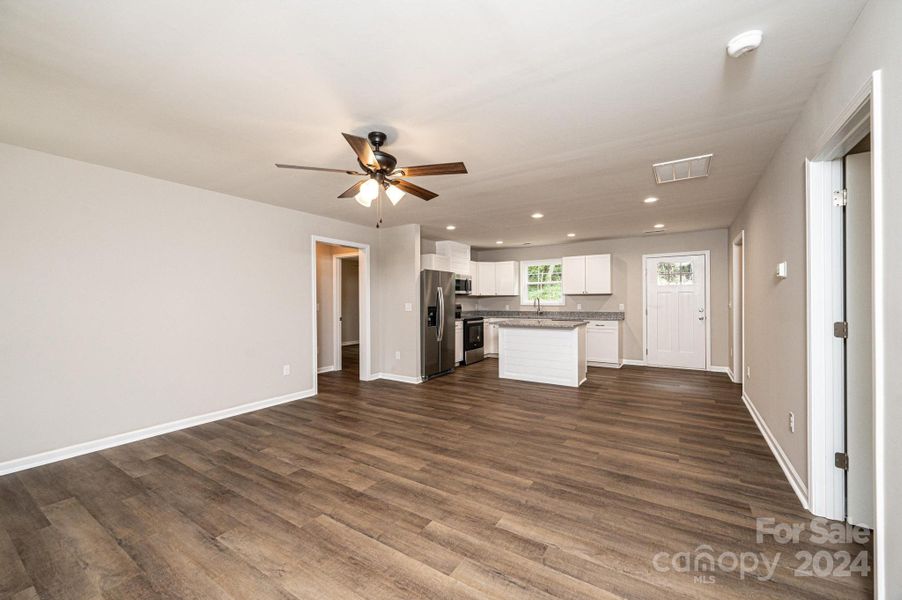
(437, 322)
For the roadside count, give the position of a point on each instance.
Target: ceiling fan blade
(414, 190)
(319, 169)
(362, 149)
(352, 191)
(455, 168)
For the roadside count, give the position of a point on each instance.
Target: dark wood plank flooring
(464, 487)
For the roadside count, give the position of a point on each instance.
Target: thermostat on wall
(781, 270)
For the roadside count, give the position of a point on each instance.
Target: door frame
(737, 299)
(365, 333)
(707, 255)
(337, 262)
(825, 376)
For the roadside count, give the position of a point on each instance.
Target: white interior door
(676, 311)
(860, 342)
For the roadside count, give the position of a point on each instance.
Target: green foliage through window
(544, 281)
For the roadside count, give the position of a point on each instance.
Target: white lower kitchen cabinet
(604, 344)
(490, 340)
(458, 342)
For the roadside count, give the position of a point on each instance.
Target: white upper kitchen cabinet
(506, 278)
(587, 274)
(457, 253)
(435, 262)
(485, 279)
(598, 274)
(573, 272)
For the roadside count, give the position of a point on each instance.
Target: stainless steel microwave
(463, 285)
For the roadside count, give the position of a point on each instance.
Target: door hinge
(840, 197)
(646, 351)
(841, 329)
(841, 460)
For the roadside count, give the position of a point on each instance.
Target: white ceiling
(555, 107)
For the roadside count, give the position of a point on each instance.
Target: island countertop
(542, 324)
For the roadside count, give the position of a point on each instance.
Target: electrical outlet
(408, 307)
(579, 307)
(792, 422)
(286, 369)
(507, 307)
(621, 308)
(397, 355)
(748, 372)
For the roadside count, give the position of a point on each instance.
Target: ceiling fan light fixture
(369, 191)
(394, 194)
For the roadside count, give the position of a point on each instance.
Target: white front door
(676, 311)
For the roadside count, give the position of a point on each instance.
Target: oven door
(473, 341)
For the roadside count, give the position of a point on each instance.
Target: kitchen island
(543, 351)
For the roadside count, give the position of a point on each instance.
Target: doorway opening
(676, 297)
(737, 308)
(341, 307)
(346, 312)
(842, 398)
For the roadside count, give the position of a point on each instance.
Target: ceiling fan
(381, 172)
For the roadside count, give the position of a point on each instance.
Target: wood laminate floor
(463, 487)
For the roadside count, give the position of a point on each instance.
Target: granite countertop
(549, 314)
(542, 324)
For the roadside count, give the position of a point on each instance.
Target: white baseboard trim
(718, 369)
(731, 374)
(604, 364)
(354, 343)
(798, 486)
(634, 362)
(398, 378)
(325, 369)
(43, 458)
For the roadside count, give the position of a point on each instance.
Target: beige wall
(350, 301)
(774, 224)
(627, 281)
(398, 261)
(130, 302)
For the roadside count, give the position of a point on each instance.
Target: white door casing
(860, 342)
(676, 311)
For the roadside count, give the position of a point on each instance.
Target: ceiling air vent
(684, 168)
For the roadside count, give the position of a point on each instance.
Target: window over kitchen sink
(541, 279)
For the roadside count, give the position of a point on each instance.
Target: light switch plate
(621, 308)
(286, 369)
(408, 307)
(397, 355)
(781, 270)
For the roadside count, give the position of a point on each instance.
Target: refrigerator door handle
(440, 301)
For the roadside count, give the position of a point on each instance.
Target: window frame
(524, 281)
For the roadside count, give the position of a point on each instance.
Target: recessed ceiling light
(650, 200)
(537, 215)
(500, 242)
(744, 42)
(571, 235)
(659, 225)
(450, 227)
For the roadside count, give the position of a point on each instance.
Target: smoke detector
(744, 42)
(683, 168)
